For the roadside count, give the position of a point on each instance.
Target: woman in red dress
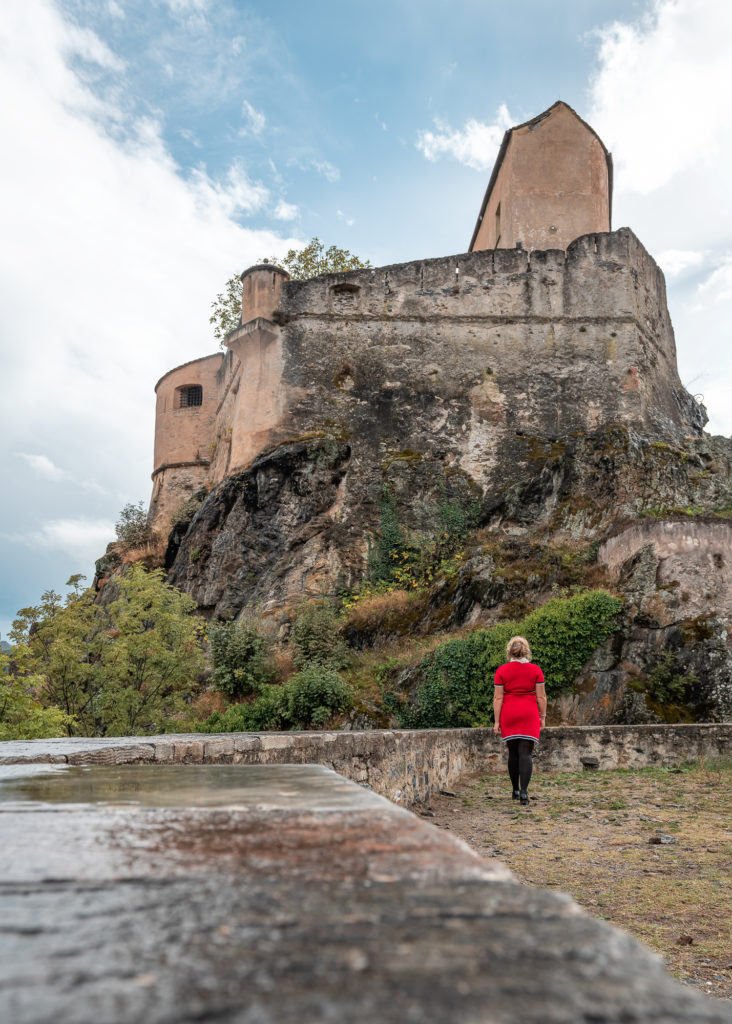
(519, 711)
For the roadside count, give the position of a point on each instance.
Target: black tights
(520, 763)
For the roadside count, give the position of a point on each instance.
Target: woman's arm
(497, 705)
(541, 701)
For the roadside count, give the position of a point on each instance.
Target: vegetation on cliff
(455, 682)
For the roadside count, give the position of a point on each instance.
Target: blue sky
(151, 149)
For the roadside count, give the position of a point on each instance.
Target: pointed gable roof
(504, 148)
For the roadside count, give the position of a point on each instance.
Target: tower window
(498, 224)
(189, 396)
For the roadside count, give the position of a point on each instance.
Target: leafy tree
(153, 669)
(226, 309)
(59, 645)
(241, 659)
(22, 716)
(301, 264)
(120, 669)
(314, 259)
(133, 527)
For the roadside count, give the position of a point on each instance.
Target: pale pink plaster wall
(552, 186)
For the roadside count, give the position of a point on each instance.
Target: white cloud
(190, 136)
(43, 466)
(228, 198)
(110, 258)
(83, 43)
(186, 7)
(476, 145)
(662, 95)
(254, 120)
(82, 539)
(661, 101)
(718, 286)
(114, 9)
(348, 221)
(329, 172)
(676, 261)
(286, 211)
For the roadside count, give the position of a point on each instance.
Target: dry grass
(588, 833)
(394, 610)
(151, 554)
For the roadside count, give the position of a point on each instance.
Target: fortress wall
(405, 766)
(476, 356)
(467, 361)
(228, 381)
(694, 560)
(183, 436)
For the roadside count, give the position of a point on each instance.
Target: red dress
(519, 711)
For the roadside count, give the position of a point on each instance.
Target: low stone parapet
(407, 766)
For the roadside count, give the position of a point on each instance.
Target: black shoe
(515, 794)
(524, 796)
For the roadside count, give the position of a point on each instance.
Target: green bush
(266, 712)
(316, 636)
(310, 698)
(456, 686)
(315, 694)
(132, 527)
(241, 659)
(391, 540)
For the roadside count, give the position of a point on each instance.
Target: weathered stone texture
(406, 766)
(344, 909)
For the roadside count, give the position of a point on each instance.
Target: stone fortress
(549, 324)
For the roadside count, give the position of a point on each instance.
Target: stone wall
(407, 767)
(459, 365)
(694, 558)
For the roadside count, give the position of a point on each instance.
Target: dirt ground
(649, 851)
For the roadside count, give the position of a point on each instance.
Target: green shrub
(310, 698)
(456, 687)
(266, 712)
(391, 540)
(132, 527)
(241, 658)
(315, 694)
(668, 692)
(316, 636)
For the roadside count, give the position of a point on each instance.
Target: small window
(189, 396)
(498, 224)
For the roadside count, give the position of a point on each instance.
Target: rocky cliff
(529, 404)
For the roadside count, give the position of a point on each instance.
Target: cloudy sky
(151, 148)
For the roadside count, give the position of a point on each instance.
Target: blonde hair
(518, 647)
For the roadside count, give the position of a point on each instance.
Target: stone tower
(551, 183)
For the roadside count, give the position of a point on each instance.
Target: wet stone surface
(284, 893)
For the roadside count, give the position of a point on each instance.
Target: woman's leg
(513, 762)
(525, 762)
